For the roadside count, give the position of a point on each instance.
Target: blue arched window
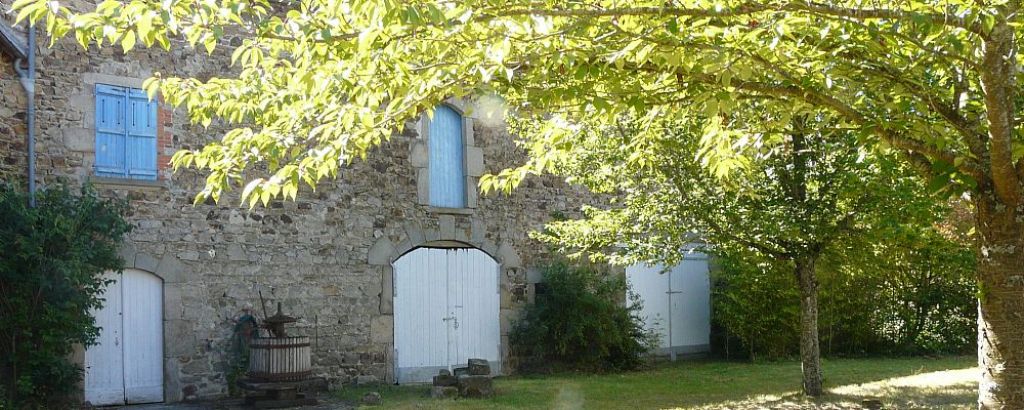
(447, 172)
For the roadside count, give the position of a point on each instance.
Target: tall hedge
(52, 259)
(911, 293)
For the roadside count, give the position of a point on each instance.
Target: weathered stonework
(325, 256)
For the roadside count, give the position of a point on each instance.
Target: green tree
(322, 81)
(52, 260)
(802, 190)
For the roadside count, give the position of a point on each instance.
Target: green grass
(711, 384)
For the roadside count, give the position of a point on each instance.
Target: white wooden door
(126, 364)
(676, 303)
(104, 361)
(690, 288)
(420, 303)
(446, 311)
(143, 347)
(473, 299)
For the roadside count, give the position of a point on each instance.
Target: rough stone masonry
(325, 256)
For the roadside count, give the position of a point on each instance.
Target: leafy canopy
(321, 82)
(801, 190)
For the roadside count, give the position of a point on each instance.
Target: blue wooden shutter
(141, 136)
(110, 130)
(447, 176)
(125, 133)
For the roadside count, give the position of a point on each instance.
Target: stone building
(329, 257)
(388, 266)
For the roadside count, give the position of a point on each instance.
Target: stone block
(479, 367)
(366, 380)
(443, 380)
(380, 252)
(146, 262)
(478, 230)
(387, 289)
(127, 252)
(446, 223)
(79, 139)
(508, 256)
(432, 234)
(473, 386)
(468, 132)
(171, 269)
(474, 161)
(414, 234)
(444, 392)
(418, 155)
(382, 330)
(236, 252)
(423, 186)
(172, 301)
(472, 192)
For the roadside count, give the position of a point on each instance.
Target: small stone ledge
(452, 211)
(125, 183)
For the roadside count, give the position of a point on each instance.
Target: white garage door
(126, 364)
(676, 303)
(446, 311)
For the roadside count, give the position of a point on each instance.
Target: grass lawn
(899, 383)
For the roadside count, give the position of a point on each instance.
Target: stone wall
(312, 254)
(12, 122)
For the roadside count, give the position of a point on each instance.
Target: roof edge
(11, 42)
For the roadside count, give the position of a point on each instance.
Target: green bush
(911, 293)
(757, 307)
(580, 322)
(52, 258)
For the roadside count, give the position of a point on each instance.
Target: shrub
(52, 258)
(580, 322)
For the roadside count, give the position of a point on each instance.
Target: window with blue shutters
(126, 125)
(447, 172)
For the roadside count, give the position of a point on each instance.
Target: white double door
(446, 304)
(676, 302)
(125, 366)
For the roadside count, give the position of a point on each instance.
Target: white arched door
(125, 365)
(446, 311)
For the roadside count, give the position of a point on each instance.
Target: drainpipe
(28, 82)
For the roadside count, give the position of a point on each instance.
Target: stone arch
(454, 244)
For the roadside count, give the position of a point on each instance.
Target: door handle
(455, 321)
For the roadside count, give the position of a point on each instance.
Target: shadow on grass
(897, 383)
(947, 389)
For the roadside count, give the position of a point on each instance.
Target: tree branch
(819, 9)
(895, 139)
(1000, 91)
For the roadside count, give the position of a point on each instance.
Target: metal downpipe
(28, 82)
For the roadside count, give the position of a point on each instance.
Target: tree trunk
(810, 354)
(1000, 304)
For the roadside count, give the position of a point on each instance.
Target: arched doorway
(446, 304)
(125, 366)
